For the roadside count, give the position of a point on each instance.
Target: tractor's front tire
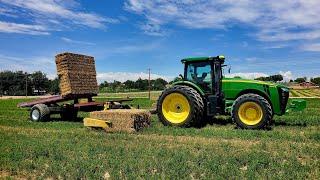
(39, 112)
(180, 106)
(251, 111)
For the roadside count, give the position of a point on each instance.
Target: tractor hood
(250, 81)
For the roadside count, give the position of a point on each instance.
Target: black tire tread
(266, 105)
(43, 110)
(195, 98)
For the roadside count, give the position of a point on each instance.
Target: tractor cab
(206, 72)
(196, 96)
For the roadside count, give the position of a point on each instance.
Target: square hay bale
(77, 74)
(127, 120)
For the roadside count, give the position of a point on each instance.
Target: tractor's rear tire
(180, 106)
(39, 112)
(251, 111)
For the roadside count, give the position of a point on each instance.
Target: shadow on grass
(59, 119)
(215, 121)
(227, 120)
(284, 123)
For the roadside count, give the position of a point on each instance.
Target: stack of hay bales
(77, 74)
(126, 120)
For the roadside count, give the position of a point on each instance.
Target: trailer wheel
(39, 112)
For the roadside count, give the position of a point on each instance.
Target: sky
(126, 37)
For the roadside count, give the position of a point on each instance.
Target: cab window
(200, 73)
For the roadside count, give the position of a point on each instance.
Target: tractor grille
(283, 97)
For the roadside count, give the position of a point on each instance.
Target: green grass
(60, 149)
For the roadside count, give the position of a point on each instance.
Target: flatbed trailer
(68, 106)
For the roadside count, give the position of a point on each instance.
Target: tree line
(131, 86)
(278, 77)
(22, 83)
(315, 80)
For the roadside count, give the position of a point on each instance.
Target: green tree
(316, 80)
(129, 84)
(14, 83)
(141, 84)
(273, 78)
(276, 78)
(39, 81)
(301, 79)
(159, 84)
(263, 79)
(54, 86)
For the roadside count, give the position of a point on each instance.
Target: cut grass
(60, 149)
(305, 93)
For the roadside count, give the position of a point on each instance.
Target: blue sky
(127, 37)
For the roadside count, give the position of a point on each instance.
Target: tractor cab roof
(208, 58)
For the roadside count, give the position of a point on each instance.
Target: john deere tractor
(203, 93)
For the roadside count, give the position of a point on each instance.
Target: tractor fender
(190, 84)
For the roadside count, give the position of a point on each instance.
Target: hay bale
(128, 120)
(77, 74)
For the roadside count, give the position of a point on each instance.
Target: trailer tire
(39, 112)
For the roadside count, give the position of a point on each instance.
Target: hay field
(61, 149)
(305, 93)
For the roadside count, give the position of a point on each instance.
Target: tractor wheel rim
(250, 113)
(175, 108)
(35, 114)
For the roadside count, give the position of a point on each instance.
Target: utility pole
(26, 85)
(149, 87)
(1, 88)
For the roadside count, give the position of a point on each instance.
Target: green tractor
(203, 93)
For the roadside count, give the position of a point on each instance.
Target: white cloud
(52, 14)
(287, 76)
(68, 40)
(252, 75)
(8, 27)
(283, 35)
(274, 20)
(123, 76)
(152, 29)
(311, 47)
(275, 46)
(30, 64)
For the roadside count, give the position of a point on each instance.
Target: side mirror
(180, 76)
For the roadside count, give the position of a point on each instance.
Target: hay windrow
(127, 120)
(77, 74)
